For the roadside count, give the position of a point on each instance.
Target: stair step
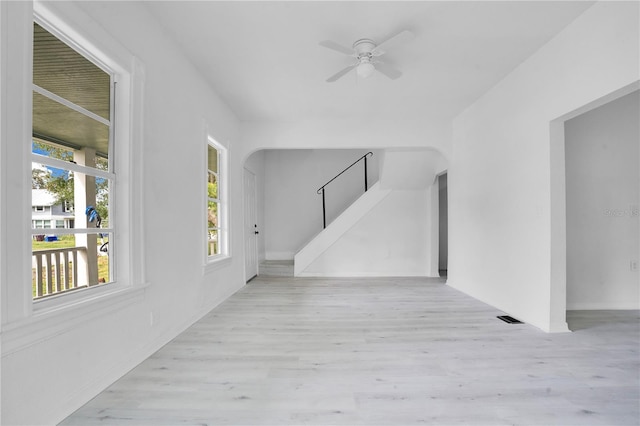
(276, 268)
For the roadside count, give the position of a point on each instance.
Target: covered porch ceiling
(71, 98)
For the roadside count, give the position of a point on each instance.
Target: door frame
(250, 221)
(558, 213)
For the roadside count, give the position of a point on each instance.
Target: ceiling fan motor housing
(364, 47)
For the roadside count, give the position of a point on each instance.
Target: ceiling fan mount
(364, 46)
(366, 52)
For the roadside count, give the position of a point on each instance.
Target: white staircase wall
(387, 235)
(338, 227)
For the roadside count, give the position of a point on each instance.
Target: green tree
(212, 216)
(39, 178)
(61, 187)
(52, 151)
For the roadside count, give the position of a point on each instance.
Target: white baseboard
(306, 274)
(603, 306)
(560, 327)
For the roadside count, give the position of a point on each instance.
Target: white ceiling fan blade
(341, 73)
(337, 47)
(388, 70)
(395, 40)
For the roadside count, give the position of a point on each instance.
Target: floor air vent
(508, 319)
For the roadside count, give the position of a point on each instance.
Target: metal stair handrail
(321, 189)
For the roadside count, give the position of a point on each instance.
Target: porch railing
(55, 270)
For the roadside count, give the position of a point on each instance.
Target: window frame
(71, 24)
(222, 176)
(86, 53)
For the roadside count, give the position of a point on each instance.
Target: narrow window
(216, 201)
(72, 148)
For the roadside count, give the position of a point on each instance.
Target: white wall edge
(546, 327)
(560, 327)
(119, 370)
(604, 306)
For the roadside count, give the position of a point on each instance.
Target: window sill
(217, 263)
(60, 314)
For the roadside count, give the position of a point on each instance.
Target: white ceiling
(264, 60)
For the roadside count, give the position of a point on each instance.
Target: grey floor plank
(378, 351)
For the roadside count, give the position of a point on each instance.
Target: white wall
(502, 249)
(410, 168)
(348, 134)
(45, 376)
(293, 209)
(393, 239)
(603, 194)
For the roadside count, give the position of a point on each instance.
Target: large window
(217, 228)
(72, 146)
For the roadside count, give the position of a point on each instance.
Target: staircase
(276, 268)
(389, 231)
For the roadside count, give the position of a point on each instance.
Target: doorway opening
(602, 160)
(560, 218)
(443, 227)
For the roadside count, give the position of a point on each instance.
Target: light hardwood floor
(378, 351)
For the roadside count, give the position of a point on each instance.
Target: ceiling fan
(366, 52)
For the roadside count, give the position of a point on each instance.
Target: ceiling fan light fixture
(365, 70)
(366, 52)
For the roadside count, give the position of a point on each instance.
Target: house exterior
(47, 214)
(502, 147)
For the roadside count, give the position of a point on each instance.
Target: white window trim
(61, 313)
(217, 261)
(128, 118)
(79, 45)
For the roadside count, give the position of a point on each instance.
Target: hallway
(378, 351)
